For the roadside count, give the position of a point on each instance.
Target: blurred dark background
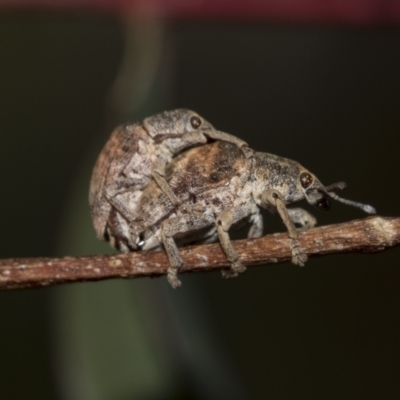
(326, 95)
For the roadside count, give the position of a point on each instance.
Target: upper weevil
(133, 155)
(224, 189)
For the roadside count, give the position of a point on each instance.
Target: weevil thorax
(289, 178)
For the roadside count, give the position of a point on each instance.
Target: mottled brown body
(206, 177)
(134, 154)
(225, 189)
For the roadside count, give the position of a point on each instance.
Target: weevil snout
(318, 198)
(323, 203)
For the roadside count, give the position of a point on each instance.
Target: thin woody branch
(371, 234)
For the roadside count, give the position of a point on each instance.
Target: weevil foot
(298, 257)
(172, 277)
(236, 268)
(228, 273)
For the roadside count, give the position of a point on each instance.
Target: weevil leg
(122, 205)
(112, 195)
(302, 217)
(200, 137)
(131, 185)
(170, 228)
(257, 224)
(224, 221)
(158, 176)
(274, 198)
(116, 234)
(226, 137)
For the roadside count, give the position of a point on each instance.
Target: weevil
(135, 154)
(226, 191)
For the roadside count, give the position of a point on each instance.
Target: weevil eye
(195, 122)
(306, 180)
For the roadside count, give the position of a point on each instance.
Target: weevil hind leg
(172, 227)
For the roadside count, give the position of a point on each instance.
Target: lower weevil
(226, 190)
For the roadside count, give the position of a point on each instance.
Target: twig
(371, 234)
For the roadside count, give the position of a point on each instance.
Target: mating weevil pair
(147, 191)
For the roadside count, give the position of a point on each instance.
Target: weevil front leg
(172, 227)
(190, 139)
(224, 221)
(273, 198)
(226, 137)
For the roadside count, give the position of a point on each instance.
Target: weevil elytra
(225, 190)
(134, 154)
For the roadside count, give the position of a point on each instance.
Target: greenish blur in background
(328, 97)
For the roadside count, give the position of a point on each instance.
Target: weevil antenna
(365, 207)
(337, 185)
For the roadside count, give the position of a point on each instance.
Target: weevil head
(290, 179)
(175, 122)
(295, 183)
(314, 191)
(306, 185)
(318, 195)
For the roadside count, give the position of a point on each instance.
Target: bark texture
(370, 234)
